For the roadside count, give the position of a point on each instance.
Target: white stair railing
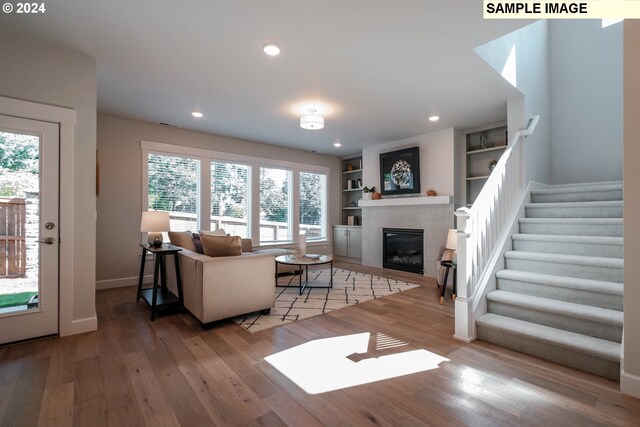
(480, 226)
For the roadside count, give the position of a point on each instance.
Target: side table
(448, 265)
(159, 296)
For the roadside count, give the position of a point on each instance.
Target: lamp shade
(452, 239)
(312, 122)
(153, 221)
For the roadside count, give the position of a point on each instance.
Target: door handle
(48, 241)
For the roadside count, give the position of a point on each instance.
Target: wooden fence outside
(13, 248)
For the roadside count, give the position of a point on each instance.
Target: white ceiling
(382, 67)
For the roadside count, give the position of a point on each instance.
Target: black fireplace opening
(403, 249)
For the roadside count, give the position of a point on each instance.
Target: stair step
(590, 354)
(582, 319)
(580, 193)
(606, 209)
(580, 291)
(585, 267)
(573, 226)
(600, 246)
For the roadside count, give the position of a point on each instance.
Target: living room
(105, 231)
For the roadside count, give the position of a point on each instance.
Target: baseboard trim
(630, 384)
(79, 326)
(122, 282)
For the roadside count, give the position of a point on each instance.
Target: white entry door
(29, 162)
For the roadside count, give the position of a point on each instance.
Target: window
(275, 205)
(231, 198)
(313, 204)
(269, 201)
(173, 186)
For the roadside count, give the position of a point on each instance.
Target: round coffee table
(304, 262)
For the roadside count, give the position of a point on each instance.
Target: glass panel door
(28, 228)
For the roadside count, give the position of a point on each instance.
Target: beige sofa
(217, 288)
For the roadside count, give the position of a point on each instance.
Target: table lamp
(452, 243)
(154, 222)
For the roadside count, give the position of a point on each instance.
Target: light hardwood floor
(133, 372)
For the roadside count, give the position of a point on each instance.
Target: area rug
(349, 288)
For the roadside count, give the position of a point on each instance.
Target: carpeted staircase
(560, 296)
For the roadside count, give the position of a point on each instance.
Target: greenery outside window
(173, 186)
(231, 198)
(313, 204)
(275, 205)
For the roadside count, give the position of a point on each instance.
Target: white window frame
(207, 156)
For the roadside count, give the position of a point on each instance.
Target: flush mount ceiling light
(337, 144)
(271, 49)
(434, 118)
(311, 120)
(197, 114)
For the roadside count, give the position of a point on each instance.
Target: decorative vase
(366, 196)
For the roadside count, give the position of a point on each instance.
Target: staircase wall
(585, 101)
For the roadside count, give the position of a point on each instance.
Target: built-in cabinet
(351, 190)
(484, 146)
(347, 241)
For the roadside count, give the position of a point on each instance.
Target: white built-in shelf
(486, 150)
(406, 201)
(352, 189)
(353, 171)
(476, 178)
(351, 207)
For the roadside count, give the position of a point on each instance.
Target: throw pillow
(215, 246)
(183, 239)
(247, 245)
(198, 243)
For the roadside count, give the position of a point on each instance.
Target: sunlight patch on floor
(329, 364)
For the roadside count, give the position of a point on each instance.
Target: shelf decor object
(400, 172)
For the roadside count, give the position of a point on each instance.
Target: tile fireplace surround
(434, 219)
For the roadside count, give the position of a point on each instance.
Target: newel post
(464, 321)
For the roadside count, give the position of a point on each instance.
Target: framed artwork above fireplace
(400, 172)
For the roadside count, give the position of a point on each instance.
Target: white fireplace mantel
(406, 201)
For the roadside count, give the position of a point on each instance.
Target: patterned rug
(349, 288)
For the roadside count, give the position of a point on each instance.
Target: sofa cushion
(184, 239)
(216, 246)
(219, 232)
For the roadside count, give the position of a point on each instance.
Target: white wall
(436, 161)
(120, 200)
(630, 379)
(68, 79)
(532, 80)
(585, 63)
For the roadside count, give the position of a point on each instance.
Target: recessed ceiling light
(271, 49)
(197, 114)
(434, 118)
(337, 144)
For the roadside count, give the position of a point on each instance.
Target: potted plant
(367, 192)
